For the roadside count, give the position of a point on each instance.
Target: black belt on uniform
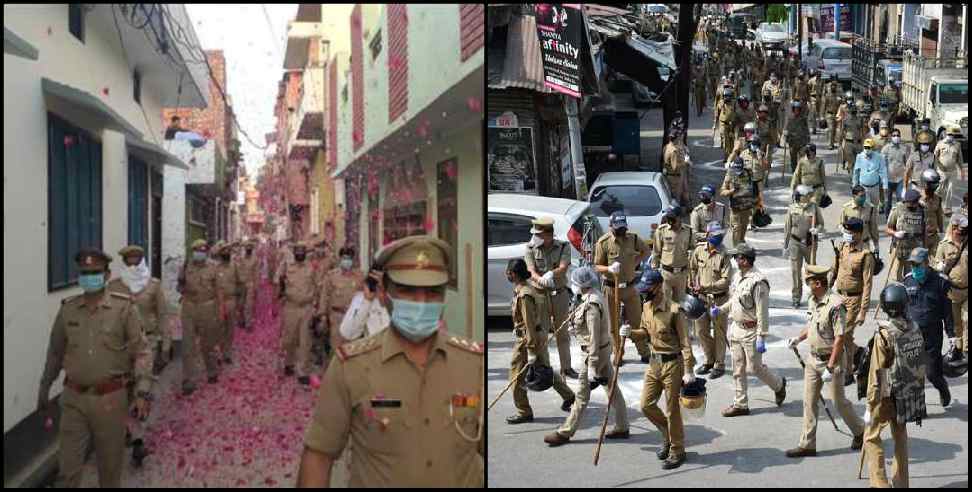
(818, 186)
(845, 293)
(672, 269)
(519, 331)
(610, 283)
(821, 357)
(797, 239)
(665, 357)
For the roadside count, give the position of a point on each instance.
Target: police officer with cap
(748, 309)
(617, 255)
(803, 222)
(706, 211)
(906, 226)
(738, 186)
(709, 274)
(931, 309)
(851, 275)
(202, 304)
(826, 330)
(672, 244)
(952, 261)
(98, 340)
(547, 260)
(409, 400)
(810, 171)
(895, 390)
(932, 204)
(920, 160)
(858, 207)
(671, 365)
(948, 158)
(530, 342)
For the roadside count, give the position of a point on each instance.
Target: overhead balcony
(299, 47)
(201, 160)
(307, 123)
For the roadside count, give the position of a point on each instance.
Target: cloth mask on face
(848, 237)
(896, 140)
(923, 147)
(705, 199)
(859, 200)
(715, 241)
(918, 272)
(416, 321)
(346, 263)
(136, 277)
(535, 241)
(92, 282)
(199, 255)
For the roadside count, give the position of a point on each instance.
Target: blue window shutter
(137, 196)
(97, 206)
(57, 268)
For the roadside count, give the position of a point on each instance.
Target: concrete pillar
(114, 179)
(173, 229)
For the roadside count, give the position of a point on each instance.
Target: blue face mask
(92, 282)
(416, 321)
(919, 273)
(715, 241)
(199, 256)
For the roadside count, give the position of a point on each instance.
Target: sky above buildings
(253, 39)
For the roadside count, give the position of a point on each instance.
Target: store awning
(87, 108)
(520, 64)
(18, 46)
(151, 152)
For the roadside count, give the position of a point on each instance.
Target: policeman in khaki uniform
(797, 134)
(768, 133)
(826, 331)
(948, 159)
(934, 212)
(858, 207)
(202, 303)
(249, 269)
(725, 115)
(851, 276)
(810, 171)
(804, 223)
(670, 252)
(410, 398)
(592, 328)
(956, 268)
(738, 186)
(300, 287)
(337, 289)
(709, 272)
(748, 308)
(530, 332)
(831, 103)
(919, 161)
(895, 389)
(99, 340)
(547, 260)
(671, 365)
(617, 255)
(707, 211)
(146, 292)
(906, 225)
(231, 285)
(675, 165)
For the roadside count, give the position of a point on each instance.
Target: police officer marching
(804, 223)
(299, 290)
(706, 211)
(931, 309)
(530, 330)
(231, 286)
(676, 165)
(592, 328)
(671, 247)
(934, 214)
(748, 308)
(98, 340)
(739, 187)
(671, 364)
(249, 269)
(851, 276)
(952, 262)
(202, 310)
(338, 287)
(826, 331)
(948, 159)
(919, 161)
(895, 389)
(810, 171)
(709, 274)
(547, 260)
(831, 103)
(408, 400)
(797, 134)
(617, 255)
(860, 208)
(906, 225)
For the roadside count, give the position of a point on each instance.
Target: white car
(643, 196)
(771, 35)
(829, 57)
(510, 218)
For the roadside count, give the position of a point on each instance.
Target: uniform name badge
(379, 401)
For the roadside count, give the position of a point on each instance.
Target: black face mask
(249, 252)
(621, 232)
(300, 257)
(225, 257)
(705, 200)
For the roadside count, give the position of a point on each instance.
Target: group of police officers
(383, 386)
(692, 277)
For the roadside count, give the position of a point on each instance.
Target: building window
(138, 203)
(137, 83)
(76, 20)
(404, 205)
(74, 202)
(447, 205)
(375, 45)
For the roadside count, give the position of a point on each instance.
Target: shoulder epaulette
(604, 237)
(358, 347)
(467, 345)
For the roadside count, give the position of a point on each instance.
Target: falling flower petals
(315, 381)
(48, 423)
(474, 104)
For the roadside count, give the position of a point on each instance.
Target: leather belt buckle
(623, 285)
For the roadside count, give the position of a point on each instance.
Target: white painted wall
(96, 64)
(173, 230)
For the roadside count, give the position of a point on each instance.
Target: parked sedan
(829, 57)
(510, 218)
(643, 196)
(771, 35)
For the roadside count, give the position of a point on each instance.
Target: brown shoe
(858, 442)
(734, 411)
(673, 462)
(799, 452)
(618, 434)
(555, 439)
(781, 394)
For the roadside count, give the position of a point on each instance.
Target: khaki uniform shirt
(701, 216)
(800, 218)
(797, 131)
(710, 270)
(828, 320)
(934, 215)
(756, 163)
(337, 290)
(809, 173)
(150, 301)
(666, 328)
(749, 300)
(775, 89)
(229, 280)
(201, 282)
(409, 426)
(917, 163)
(671, 247)
(946, 255)
(897, 158)
(95, 346)
(674, 159)
(868, 215)
(853, 269)
(767, 131)
(831, 103)
(627, 251)
(543, 260)
(527, 306)
(948, 156)
(248, 269)
(882, 358)
(301, 283)
(592, 328)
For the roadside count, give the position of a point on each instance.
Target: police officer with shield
(931, 309)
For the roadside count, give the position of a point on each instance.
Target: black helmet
(955, 365)
(894, 300)
(538, 377)
(878, 265)
(826, 201)
(692, 306)
(931, 176)
(761, 218)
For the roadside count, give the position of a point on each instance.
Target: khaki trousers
(739, 221)
(960, 304)
(746, 359)
(520, 356)
(200, 333)
(798, 253)
(632, 313)
(674, 284)
(297, 336)
(883, 414)
(665, 376)
(229, 326)
(561, 305)
(853, 305)
(813, 384)
(603, 369)
(712, 335)
(87, 418)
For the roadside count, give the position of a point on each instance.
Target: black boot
(138, 453)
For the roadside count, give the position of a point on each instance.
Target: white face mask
(535, 241)
(136, 277)
(949, 138)
(896, 140)
(923, 147)
(848, 237)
